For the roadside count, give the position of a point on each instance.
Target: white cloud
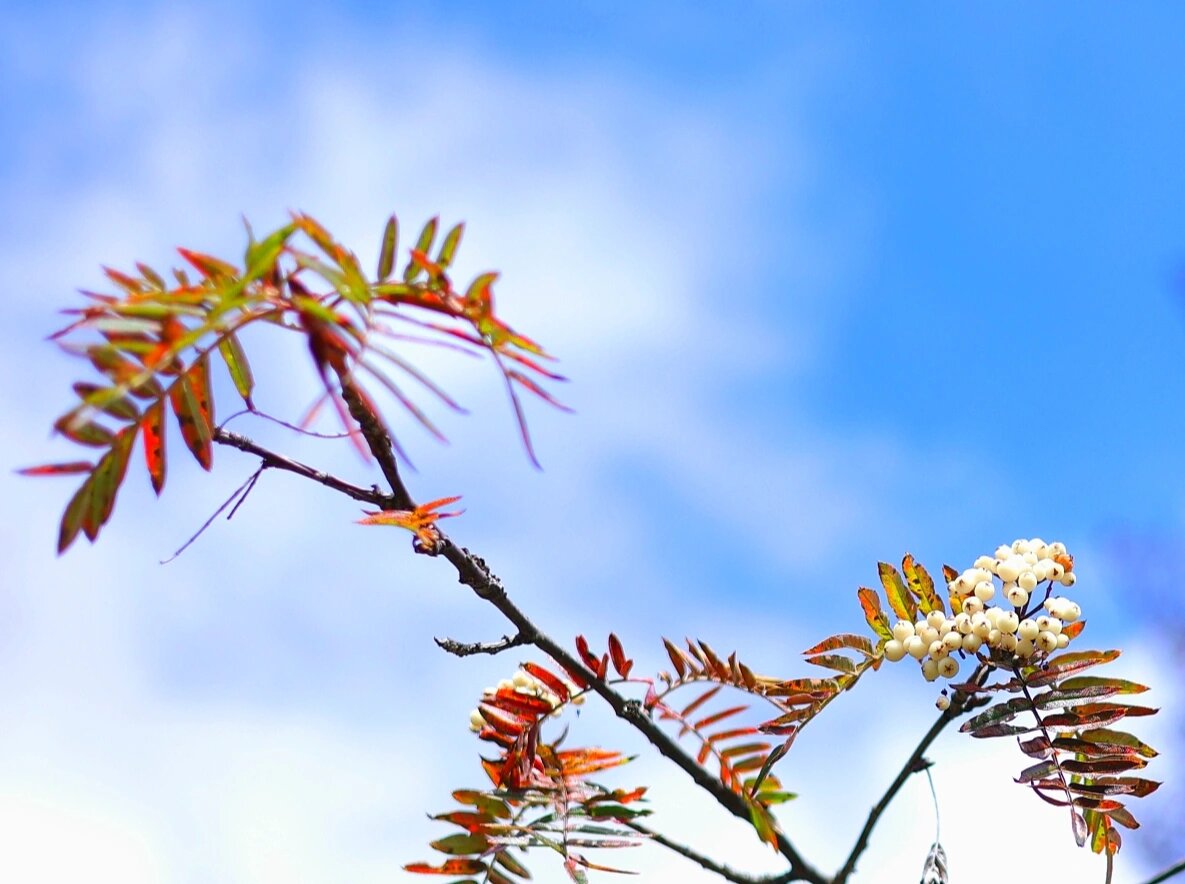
(270, 707)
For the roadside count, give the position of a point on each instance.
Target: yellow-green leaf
(240, 369)
(389, 247)
(896, 592)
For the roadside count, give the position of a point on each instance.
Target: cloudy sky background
(830, 285)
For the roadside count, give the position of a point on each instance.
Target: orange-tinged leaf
(588, 657)
(478, 296)
(209, 266)
(678, 658)
(1113, 685)
(1108, 738)
(128, 283)
(732, 734)
(58, 469)
(843, 640)
(837, 662)
(701, 756)
(152, 428)
(421, 521)
(712, 660)
(506, 722)
(451, 867)
(817, 688)
(1068, 663)
(471, 821)
(554, 683)
(190, 398)
(896, 592)
(700, 700)
(871, 604)
(581, 762)
(521, 704)
(715, 717)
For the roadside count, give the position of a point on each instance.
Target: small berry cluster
(937, 641)
(528, 685)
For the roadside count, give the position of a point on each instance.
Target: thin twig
(466, 649)
(370, 495)
(296, 428)
(236, 497)
(707, 862)
(934, 796)
(912, 765)
(1172, 870)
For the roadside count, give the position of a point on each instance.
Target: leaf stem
(1061, 774)
(913, 764)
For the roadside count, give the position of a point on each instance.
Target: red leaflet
(152, 427)
(621, 663)
(58, 469)
(451, 867)
(590, 660)
(554, 683)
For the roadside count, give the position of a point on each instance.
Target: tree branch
(1168, 873)
(378, 440)
(706, 862)
(474, 573)
(914, 764)
(370, 495)
(466, 649)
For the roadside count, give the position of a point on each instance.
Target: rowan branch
(473, 572)
(1172, 870)
(378, 440)
(467, 649)
(371, 495)
(706, 862)
(914, 764)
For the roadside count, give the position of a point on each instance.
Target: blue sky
(831, 285)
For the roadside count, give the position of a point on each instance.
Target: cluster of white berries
(528, 685)
(938, 641)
